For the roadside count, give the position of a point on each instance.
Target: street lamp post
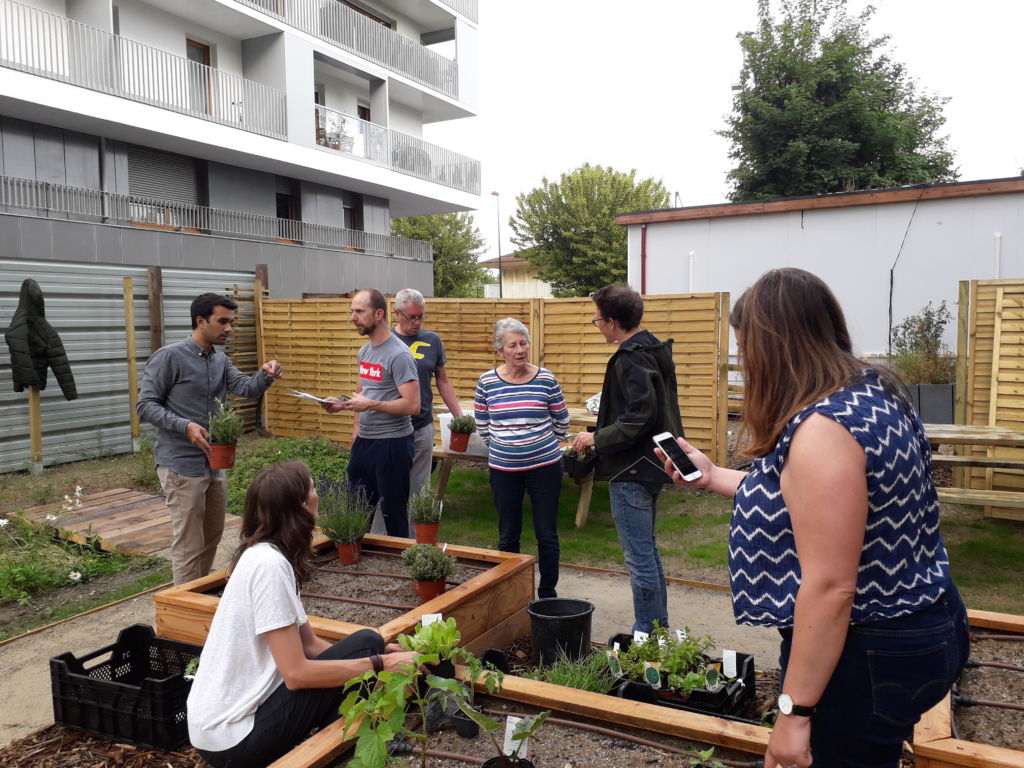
(497, 207)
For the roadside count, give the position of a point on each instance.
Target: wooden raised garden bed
(505, 587)
(934, 745)
(327, 745)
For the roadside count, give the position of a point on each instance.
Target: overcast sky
(646, 84)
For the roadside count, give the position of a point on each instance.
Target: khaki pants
(197, 506)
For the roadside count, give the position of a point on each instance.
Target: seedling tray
(726, 700)
(137, 694)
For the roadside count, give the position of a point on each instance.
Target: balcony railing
(397, 151)
(341, 26)
(466, 7)
(517, 291)
(58, 48)
(105, 207)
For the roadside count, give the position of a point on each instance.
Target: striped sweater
(520, 423)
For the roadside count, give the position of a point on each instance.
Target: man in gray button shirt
(182, 383)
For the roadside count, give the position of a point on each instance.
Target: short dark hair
(622, 303)
(203, 304)
(377, 300)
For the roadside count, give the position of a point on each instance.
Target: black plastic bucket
(560, 623)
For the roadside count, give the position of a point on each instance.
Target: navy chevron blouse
(903, 564)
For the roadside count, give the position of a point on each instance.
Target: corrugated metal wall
(85, 304)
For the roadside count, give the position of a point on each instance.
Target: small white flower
(78, 490)
(3, 521)
(75, 576)
(51, 518)
(67, 498)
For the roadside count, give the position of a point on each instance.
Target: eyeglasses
(412, 318)
(597, 321)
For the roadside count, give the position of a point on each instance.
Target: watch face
(785, 704)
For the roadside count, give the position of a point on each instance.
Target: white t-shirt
(237, 672)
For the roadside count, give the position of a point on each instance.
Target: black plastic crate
(728, 699)
(137, 694)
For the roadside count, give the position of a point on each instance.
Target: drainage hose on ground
(997, 637)
(627, 737)
(997, 664)
(969, 701)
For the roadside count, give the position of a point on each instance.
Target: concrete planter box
(934, 745)
(185, 612)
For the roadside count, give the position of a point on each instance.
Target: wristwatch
(787, 707)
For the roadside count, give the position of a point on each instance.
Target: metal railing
(467, 8)
(107, 207)
(59, 48)
(398, 151)
(341, 26)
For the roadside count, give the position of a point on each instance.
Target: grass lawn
(986, 554)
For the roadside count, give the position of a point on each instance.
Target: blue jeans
(544, 484)
(381, 467)
(889, 674)
(634, 509)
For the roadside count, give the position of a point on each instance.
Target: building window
(368, 14)
(352, 207)
(289, 210)
(198, 55)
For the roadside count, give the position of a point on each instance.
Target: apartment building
(223, 134)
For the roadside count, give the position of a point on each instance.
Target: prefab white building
(885, 249)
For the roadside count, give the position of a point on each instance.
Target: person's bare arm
(447, 391)
(824, 485)
(300, 671)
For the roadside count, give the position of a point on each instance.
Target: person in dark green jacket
(36, 346)
(638, 400)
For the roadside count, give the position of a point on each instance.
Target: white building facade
(921, 241)
(231, 133)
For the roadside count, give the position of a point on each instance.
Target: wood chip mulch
(60, 747)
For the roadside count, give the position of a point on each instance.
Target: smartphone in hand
(667, 442)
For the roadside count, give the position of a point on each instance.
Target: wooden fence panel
(317, 345)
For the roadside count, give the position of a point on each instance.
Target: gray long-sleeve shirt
(182, 383)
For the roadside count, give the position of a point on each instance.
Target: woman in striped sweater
(521, 416)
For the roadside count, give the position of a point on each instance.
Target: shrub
(465, 423)
(428, 563)
(424, 506)
(918, 354)
(323, 457)
(225, 425)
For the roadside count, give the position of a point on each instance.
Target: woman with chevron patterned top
(835, 533)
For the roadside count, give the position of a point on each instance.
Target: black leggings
(286, 717)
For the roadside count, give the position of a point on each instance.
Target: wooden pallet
(117, 520)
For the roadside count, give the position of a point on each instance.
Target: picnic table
(579, 419)
(986, 436)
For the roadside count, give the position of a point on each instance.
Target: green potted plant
(429, 568)
(524, 729)
(441, 639)
(461, 427)
(578, 463)
(425, 510)
(378, 705)
(345, 516)
(225, 429)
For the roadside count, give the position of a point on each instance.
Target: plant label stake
(640, 637)
(429, 618)
(729, 663)
(511, 746)
(613, 661)
(681, 635)
(652, 674)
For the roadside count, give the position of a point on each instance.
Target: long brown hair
(794, 350)
(274, 514)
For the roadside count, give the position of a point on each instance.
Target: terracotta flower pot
(428, 590)
(426, 533)
(222, 456)
(459, 442)
(348, 554)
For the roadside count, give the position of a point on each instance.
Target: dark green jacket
(35, 345)
(638, 401)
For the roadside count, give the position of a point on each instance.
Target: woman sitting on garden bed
(264, 679)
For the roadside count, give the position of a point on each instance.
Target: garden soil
(24, 662)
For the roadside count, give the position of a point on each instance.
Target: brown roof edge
(838, 200)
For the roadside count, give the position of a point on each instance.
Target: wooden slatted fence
(317, 345)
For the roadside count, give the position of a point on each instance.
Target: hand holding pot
(199, 437)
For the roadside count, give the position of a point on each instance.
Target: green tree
(821, 108)
(567, 228)
(457, 244)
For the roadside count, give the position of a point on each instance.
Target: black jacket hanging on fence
(35, 345)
